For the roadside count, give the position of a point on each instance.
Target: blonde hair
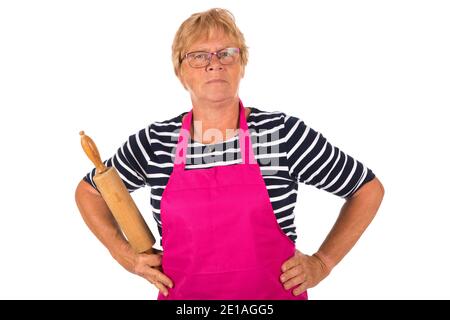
(203, 24)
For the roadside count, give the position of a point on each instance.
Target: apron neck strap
(245, 142)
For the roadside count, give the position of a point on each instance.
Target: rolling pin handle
(91, 151)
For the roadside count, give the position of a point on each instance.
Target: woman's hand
(302, 271)
(148, 266)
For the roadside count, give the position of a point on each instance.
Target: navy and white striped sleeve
(314, 161)
(129, 161)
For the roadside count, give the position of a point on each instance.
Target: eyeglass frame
(210, 54)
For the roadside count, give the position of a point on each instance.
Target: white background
(372, 76)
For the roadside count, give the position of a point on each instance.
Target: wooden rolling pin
(119, 201)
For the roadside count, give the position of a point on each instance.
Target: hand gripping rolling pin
(119, 201)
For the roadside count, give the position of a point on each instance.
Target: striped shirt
(287, 150)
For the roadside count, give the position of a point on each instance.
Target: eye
(225, 53)
(199, 55)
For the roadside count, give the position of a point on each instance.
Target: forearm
(355, 216)
(101, 222)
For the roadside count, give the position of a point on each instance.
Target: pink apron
(220, 236)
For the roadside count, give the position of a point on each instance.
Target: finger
(161, 288)
(291, 273)
(158, 276)
(290, 263)
(145, 263)
(295, 281)
(152, 260)
(152, 278)
(300, 289)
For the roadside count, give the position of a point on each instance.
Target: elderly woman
(224, 182)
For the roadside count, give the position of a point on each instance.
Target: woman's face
(215, 82)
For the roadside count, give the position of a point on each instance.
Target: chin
(219, 97)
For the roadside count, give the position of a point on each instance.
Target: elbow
(373, 190)
(378, 190)
(84, 192)
(375, 194)
(79, 193)
(381, 189)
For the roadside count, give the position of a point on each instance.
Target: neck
(214, 122)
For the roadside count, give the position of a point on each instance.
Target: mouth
(216, 81)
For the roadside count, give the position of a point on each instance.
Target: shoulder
(156, 131)
(170, 124)
(161, 127)
(264, 119)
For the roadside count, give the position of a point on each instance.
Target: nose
(214, 64)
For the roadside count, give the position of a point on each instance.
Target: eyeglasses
(200, 59)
